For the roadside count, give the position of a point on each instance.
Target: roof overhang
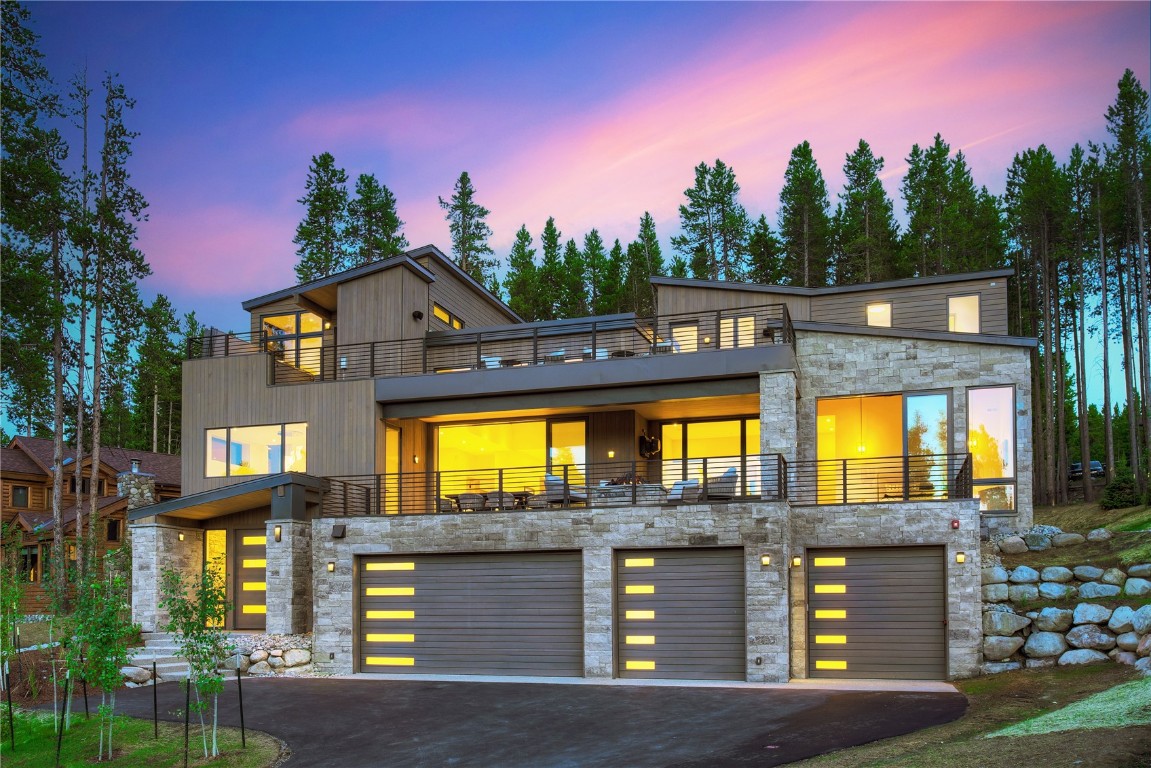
(791, 290)
(286, 494)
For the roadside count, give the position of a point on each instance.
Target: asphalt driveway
(419, 723)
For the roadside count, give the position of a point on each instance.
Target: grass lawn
(133, 744)
(1130, 544)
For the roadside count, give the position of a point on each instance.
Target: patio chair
(555, 356)
(447, 505)
(723, 486)
(684, 492)
(470, 502)
(554, 490)
(499, 500)
(490, 362)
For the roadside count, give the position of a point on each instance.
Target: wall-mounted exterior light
(961, 557)
(765, 560)
(331, 567)
(796, 561)
(181, 537)
(339, 530)
(611, 454)
(955, 525)
(276, 532)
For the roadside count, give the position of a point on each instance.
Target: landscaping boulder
(995, 575)
(1090, 636)
(260, 668)
(258, 656)
(1003, 624)
(994, 593)
(1042, 645)
(1037, 542)
(1013, 545)
(1056, 573)
(1099, 534)
(1114, 576)
(1144, 665)
(296, 657)
(237, 661)
(1094, 590)
(1000, 648)
(1128, 641)
(1137, 587)
(1050, 590)
(1023, 593)
(1024, 575)
(1120, 620)
(1067, 539)
(275, 662)
(136, 675)
(276, 652)
(1144, 647)
(1081, 657)
(1054, 619)
(1041, 663)
(995, 667)
(1124, 657)
(1088, 573)
(1141, 571)
(1090, 613)
(1141, 620)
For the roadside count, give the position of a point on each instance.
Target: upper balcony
(552, 345)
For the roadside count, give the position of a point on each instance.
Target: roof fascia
(404, 259)
(910, 282)
(217, 494)
(441, 257)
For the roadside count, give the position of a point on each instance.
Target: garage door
(680, 614)
(877, 613)
(477, 614)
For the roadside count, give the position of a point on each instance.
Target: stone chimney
(138, 487)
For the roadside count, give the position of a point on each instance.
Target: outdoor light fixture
(181, 537)
(796, 561)
(961, 557)
(331, 567)
(327, 325)
(765, 560)
(276, 532)
(417, 315)
(955, 525)
(415, 459)
(338, 530)
(706, 339)
(611, 454)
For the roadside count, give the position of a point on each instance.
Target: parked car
(1075, 472)
(1097, 469)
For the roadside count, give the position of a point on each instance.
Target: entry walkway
(408, 723)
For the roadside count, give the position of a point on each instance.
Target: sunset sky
(592, 113)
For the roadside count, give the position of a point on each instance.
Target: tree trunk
(1108, 433)
(59, 557)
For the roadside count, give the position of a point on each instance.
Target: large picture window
(260, 450)
(991, 441)
(295, 338)
(963, 314)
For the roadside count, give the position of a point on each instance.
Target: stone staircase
(159, 646)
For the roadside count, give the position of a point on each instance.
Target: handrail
(719, 479)
(945, 476)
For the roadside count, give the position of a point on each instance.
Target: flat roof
(908, 282)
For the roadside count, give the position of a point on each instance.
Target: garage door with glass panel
(480, 614)
(680, 614)
(877, 613)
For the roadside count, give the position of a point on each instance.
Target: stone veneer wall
(759, 527)
(840, 364)
(156, 546)
(138, 487)
(898, 524)
(289, 577)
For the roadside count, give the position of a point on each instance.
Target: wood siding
(923, 307)
(461, 299)
(378, 307)
(233, 392)
(674, 300)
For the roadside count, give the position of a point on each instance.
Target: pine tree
(612, 295)
(156, 379)
(714, 224)
(573, 298)
(550, 272)
(600, 291)
(804, 220)
(374, 231)
(865, 231)
(765, 255)
(470, 232)
(522, 280)
(322, 235)
(644, 260)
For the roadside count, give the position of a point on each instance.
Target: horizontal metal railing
(593, 340)
(720, 479)
(888, 478)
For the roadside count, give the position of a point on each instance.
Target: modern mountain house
(757, 483)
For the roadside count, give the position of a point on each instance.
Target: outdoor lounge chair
(723, 486)
(684, 492)
(500, 500)
(554, 490)
(470, 502)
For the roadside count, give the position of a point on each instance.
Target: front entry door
(251, 574)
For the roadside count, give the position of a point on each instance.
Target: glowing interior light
(254, 563)
(390, 567)
(827, 562)
(639, 589)
(830, 589)
(255, 609)
(255, 541)
(830, 613)
(640, 640)
(390, 591)
(827, 664)
(638, 562)
(255, 586)
(639, 615)
(831, 639)
(391, 614)
(390, 661)
(640, 665)
(390, 638)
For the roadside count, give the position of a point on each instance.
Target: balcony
(723, 479)
(557, 343)
(886, 479)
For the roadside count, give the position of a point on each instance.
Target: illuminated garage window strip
(373, 637)
(390, 567)
(829, 562)
(255, 586)
(830, 613)
(638, 562)
(255, 609)
(639, 615)
(639, 589)
(390, 591)
(255, 541)
(831, 639)
(829, 664)
(640, 639)
(254, 563)
(391, 614)
(640, 665)
(830, 589)
(390, 661)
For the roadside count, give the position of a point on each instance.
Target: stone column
(289, 577)
(597, 612)
(777, 425)
(156, 547)
(138, 487)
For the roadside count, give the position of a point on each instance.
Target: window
(963, 314)
(86, 485)
(295, 338)
(737, 332)
(991, 441)
(261, 450)
(446, 317)
(685, 337)
(20, 496)
(879, 314)
(30, 563)
(113, 530)
(724, 443)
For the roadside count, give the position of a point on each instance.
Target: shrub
(1120, 492)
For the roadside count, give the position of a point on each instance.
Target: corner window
(295, 338)
(260, 450)
(991, 442)
(879, 314)
(20, 496)
(963, 314)
(446, 317)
